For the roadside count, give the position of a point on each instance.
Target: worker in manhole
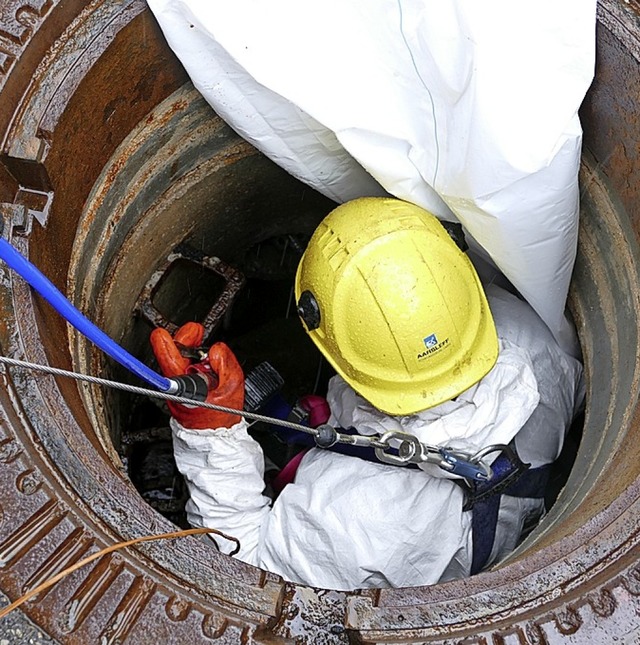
(465, 378)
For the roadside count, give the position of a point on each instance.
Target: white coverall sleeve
(224, 471)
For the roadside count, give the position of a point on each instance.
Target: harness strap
(511, 478)
(507, 469)
(484, 520)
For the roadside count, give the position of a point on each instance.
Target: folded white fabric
(490, 412)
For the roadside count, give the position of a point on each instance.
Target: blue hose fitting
(191, 386)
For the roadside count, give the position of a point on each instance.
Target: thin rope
(55, 371)
(114, 547)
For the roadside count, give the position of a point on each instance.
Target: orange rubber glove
(228, 390)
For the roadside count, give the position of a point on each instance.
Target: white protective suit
(347, 523)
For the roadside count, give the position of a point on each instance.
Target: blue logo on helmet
(432, 346)
(430, 341)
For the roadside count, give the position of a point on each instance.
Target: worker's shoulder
(517, 322)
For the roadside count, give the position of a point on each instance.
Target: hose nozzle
(194, 386)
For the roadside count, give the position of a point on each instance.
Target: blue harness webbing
(510, 477)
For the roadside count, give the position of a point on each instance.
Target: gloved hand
(226, 390)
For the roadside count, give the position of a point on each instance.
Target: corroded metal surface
(233, 282)
(51, 527)
(610, 115)
(78, 83)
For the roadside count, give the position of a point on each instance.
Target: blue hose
(54, 297)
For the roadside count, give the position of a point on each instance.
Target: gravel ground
(17, 629)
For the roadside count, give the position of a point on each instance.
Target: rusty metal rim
(62, 477)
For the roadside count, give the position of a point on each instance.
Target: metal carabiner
(495, 447)
(456, 464)
(473, 467)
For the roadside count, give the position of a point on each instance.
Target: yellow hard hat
(394, 305)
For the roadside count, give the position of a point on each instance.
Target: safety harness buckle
(507, 470)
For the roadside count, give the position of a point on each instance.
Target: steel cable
(156, 394)
(409, 448)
